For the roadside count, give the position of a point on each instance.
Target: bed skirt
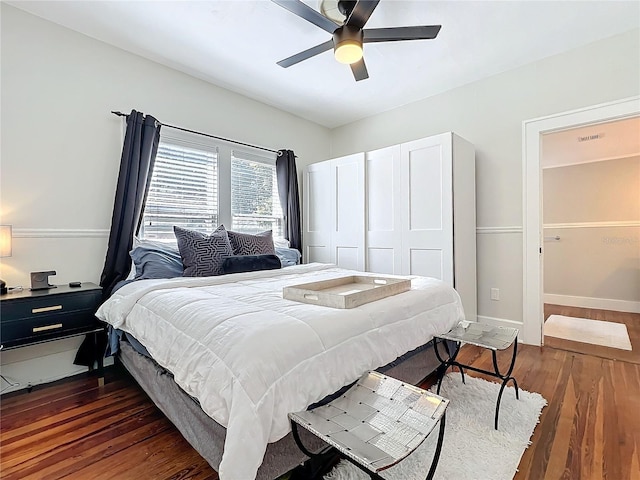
(207, 437)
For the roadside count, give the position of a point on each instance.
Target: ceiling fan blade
(309, 14)
(298, 57)
(424, 32)
(359, 70)
(361, 13)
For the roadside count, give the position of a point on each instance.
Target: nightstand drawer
(50, 304)
(29, 317)
(27, 330)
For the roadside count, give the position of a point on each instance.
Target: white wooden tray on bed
(347, 292)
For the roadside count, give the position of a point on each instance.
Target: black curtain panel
(289, 199)
(136, 165)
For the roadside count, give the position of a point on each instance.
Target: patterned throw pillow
(248, 244)
(202, 255)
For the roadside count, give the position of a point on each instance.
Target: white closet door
(383, 219)
(319, 203)
(427, 208)
(347, 236)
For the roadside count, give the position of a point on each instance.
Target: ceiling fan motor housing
(346, 38)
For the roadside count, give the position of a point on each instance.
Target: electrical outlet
(495, 294)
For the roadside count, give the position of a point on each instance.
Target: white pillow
(280, 242)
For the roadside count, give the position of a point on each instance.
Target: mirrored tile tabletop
(377, 422)
(482, 335)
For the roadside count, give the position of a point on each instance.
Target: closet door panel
(382, 260)
(318, 212)
(382, 185)
(348, 237)
(348, 257)
(426, 195)
(425, 167)
(426, 262)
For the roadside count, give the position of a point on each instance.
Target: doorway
(591, 238)
(533, 312)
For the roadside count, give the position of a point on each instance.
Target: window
(183, 192)
(255, 205)
(199, 184)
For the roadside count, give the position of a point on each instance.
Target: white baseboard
(590, 302)
(39, 370)
(499, 322)
(505, 322)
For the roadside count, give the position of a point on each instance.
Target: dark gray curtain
(136, 165)
(289, 199)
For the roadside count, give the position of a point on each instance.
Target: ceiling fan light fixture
(347, 43)
(348, 52)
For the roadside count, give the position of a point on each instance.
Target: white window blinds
(183, 192)
(255, 205)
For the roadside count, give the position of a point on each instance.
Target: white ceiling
(236, 44)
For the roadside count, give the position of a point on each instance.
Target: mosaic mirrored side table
(378, 422)
(485, 336)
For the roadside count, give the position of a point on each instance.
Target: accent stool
(485, 336)
(375, 424)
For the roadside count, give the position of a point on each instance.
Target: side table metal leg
(440, 377)
(442, 369)
(436, 455)
(504, 382)
(513, 362)
(505, 378)
(445, 364)
(462, 373)
(515, 384)
(296, 437)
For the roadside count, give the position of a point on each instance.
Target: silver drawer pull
(48, 327)
(46, 309)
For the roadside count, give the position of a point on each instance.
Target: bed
(228, 357)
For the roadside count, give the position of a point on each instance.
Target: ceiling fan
(349, 36)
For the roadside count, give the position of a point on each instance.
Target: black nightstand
(29, 317)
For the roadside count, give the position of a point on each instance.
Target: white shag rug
(472, 448)
(585, 330)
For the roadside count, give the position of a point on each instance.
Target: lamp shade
(5, 240)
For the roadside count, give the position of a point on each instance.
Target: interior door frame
(532, 131)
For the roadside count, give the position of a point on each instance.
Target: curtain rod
(120, 114)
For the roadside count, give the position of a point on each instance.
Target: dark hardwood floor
(631, 320)
(74, 429)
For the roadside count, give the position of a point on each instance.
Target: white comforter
(250, 357)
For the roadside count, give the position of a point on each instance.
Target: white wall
(61, 150)
(489, 113)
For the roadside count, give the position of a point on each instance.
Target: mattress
(249, 357)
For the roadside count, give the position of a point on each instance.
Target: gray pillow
(288, 256)
(156, 260)
(202, 254)
(252, 244)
